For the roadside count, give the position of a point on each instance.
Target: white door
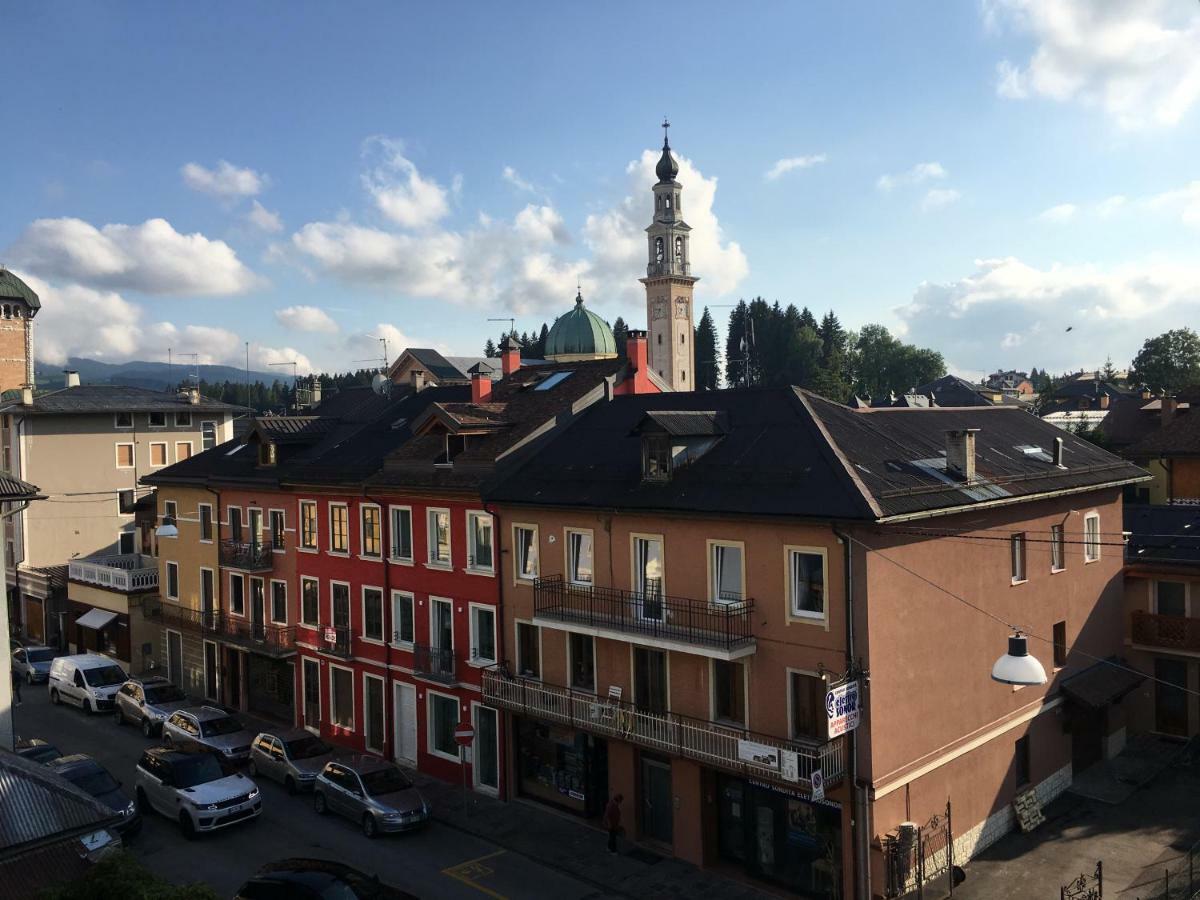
(405, 719)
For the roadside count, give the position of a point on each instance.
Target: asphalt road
(436, 862)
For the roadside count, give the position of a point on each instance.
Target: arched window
(7, 311)
(660, 344)
(681, 338)
(658, 250)
(679, 250)
(668, 199)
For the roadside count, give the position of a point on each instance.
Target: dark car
(316, 879)
(37, 750)
(92, 778)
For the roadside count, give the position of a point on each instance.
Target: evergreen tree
(1109, 372)
(489, 349)
(541, 341)
(620, 334)
(737, 339)
(807, 319)
(707, 364)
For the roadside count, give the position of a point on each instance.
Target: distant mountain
(153, 375)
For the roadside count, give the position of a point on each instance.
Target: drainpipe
(389, 626)
(500, 649)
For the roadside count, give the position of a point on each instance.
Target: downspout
(500, 631)
(389, 626)
(860, 831)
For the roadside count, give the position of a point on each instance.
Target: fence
(1177, 878)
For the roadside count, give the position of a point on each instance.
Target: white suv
(191, 789)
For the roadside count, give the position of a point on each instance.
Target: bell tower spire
(669, 280)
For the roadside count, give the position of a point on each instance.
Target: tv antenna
(195, 373)
(383, 341)
(295, 383)
(512, 324)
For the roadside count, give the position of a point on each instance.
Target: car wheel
(370, 826)
(143, 804)
(290, 784)
(89, 707)
(319, 803)
(118, 717)
(147, 728)
(187, 826)
(54, 698)
(252, 769)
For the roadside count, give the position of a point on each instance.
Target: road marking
(467, 871)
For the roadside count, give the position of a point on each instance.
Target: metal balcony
(270, 640)
(1168, 632)
(249, 556)
(126, 572)
(723, 629)
(335, 639)
(713, 744)
(434, 662)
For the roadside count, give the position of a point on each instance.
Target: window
(235, 523)
(1016, 552)
(173, 580)
(237, 595)
(1170, 598)
(156, 419)
(648, 576)
(581, 650)
(183, 450)
(1058, 548)
(725, 573)
(806, 707)
(529, 650)
(123, 420)
(650, 680)
(1060, 644)
(439, 537)
(308, 524)
(339, 602)
(1091, 537)
(339, 528)
(525, 547)
(579, 556)
(279, 602)
(443, 719)
(372, 599)
(208, 600)
(483, 634)
(656, 457)
(170, 511)
(479, 546)
(208, 435)
(341, 691)
(310, 601)
(206, 522)
(183, 420)
(278, 540)
(401, 533)
(126, 543)
(372, 543)
(729, 691)
(806, 583)
(402, 617)
(124, 456)
(1021, 761)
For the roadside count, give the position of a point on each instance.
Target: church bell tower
(669, 280)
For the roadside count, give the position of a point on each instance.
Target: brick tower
(18, 305)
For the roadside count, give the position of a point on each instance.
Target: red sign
(464, 734)
(331, 635)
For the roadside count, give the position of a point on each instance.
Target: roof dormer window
(266, 453)
(656, 457)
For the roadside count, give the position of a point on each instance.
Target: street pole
(462, 764)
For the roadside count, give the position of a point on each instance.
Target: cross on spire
(665, 125)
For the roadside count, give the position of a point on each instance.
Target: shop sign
(331, 635)
(794, 793)
(789, 765)
(842, 708)
(759, 754)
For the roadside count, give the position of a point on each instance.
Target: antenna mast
(295, 384)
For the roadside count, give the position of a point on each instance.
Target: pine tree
(541, 341)
(807, 319)
(621, 335)
(1109, 372)
(737, 345)
(707, 364)
(489, 349)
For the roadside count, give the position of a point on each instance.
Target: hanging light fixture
(1017, 666)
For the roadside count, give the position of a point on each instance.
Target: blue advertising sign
(842, 708)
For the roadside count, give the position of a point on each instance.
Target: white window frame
(791, 614)
(189, 446)
(150, 423)
(570, 569)
(1090, 546)
(1058, 545)
(518, 578)
(228, 523)
(316, 545)
(1018, 552)
(392, 531)
(132, 537)
(479, 661)
(712, 692)
(488, 789)
(517, 623)
(183, 419)
(204, 668)
(362, 532)
(412, 605)
(245, 594)
(571, 662)
(788, 673)
(117, 421)
(271, 602)
(383, 700)
(333, 582)
(317, 581)
(431, 539)
(212, 523)
(271, 530)
(710, 553)
(362, 604)
(308, 726)
(473, 564)
(333, 699)
(132, 454)
(329, 520)
(171, 511)
(429, 724)
(216, 584)
(216, 431)
(170, 565)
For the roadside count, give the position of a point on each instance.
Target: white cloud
(401, 192)
(226, 181)
(939, 197)
(1060, 214)
(542, 225)
(151, 258)
(1135, 59)
(264, 219)
(1007, 304)
(1185, 201)
(1110, 206)
(305, 318)
(783, 166)
(513, 177)
(918, 174)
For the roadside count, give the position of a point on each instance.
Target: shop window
(529, 651)
(402, 617)
(582, 650)
(341, 691)
(401, 533)
(729, 691)
(806, 703)
(526, 550)
(443, 718)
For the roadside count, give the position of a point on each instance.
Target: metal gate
(920, 859)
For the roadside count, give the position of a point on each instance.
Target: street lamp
(1017, 666)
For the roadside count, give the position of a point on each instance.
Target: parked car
(206, 729)
(148, 702)
(92, 778)
(192, 789)
(33, 663)
(316, 879)
(371, 791)
(293, 757)
(37, 750)
(88, 680)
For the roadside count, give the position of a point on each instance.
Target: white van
(88, 680)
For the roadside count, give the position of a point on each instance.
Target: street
(436, 862)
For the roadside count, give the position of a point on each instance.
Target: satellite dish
(381, 384)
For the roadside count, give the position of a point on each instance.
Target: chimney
(72, 377)
(1169, 406)
(1058, 450)
(418, 379)
(481, 383)
(510, 355)
(960, 453)
(637, 351)
(1104, 401)
(193, 395)
(27, 394)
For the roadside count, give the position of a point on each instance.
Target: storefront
(561, 766)
(271, 687)
(780, 836)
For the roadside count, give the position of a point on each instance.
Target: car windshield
(218, 727)
(42, 753)
(44, 655)
(307, 747)
(164, 693)
(104, 676)
(384, 781)
(94, 782)
(197, 770)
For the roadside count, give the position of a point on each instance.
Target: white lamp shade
(1017, 666)
(167, 529)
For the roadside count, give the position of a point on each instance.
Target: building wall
(1141, 581)
(15, 337)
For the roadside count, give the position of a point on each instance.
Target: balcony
(128, 572)
(269, 640)
(1168, 632)
(434, 662)
(335, 639)
(249, 556)
(721, 630)
(709, 743)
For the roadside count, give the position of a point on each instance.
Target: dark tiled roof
(1169, 534)
(690, 423)
(111, 398)
(950, 390)
(39, 805)
(1128, 420)
(13, 288)
(14, 489)
(1180, 438)
(1102, 683)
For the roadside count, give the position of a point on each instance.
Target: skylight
(551, 380)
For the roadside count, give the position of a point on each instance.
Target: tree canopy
(1170, 361)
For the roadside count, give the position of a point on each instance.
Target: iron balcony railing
(250, 556)
(335, 639)
(434, 662)
(125, 572)
(1169, 632)
(714, 744)
(726, 625)
(269, 639)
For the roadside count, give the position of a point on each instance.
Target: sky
(312, 177)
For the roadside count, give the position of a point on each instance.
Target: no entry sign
(464, 734)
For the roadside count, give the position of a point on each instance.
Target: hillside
(152, 375)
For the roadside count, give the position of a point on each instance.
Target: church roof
(13, 288)
(667, 168)
(581, 332)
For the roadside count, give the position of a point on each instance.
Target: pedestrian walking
(612, 821)
(16, 684)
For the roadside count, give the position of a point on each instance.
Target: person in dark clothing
(612, 821)
(16, 685)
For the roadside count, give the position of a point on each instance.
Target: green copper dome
(580, 334)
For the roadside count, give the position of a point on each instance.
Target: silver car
(371, 791)
(147, 702)
(293, 757)
(33, 663)
(191, 789)
(206, 729)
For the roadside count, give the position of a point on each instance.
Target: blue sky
(308, 177)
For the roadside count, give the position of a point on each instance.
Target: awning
(1102, 684)
(95, 618)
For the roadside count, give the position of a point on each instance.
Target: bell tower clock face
(681, 307)
(659, 309)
